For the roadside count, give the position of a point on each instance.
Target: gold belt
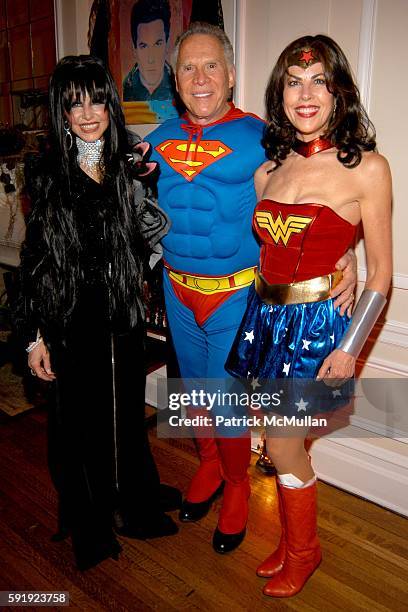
(210, 285)
(312, 290)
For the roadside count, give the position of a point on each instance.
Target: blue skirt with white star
(286, 342)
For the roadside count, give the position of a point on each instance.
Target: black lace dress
(99, 456)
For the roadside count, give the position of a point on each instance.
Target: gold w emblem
(280, 229)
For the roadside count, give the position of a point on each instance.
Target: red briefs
(201, 304)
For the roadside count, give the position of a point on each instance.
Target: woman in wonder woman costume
(323, 177)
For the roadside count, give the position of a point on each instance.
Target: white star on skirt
(301, 405)
(285, 368)
(255, 384)
(306, 344)
(250, 336)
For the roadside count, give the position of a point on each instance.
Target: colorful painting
(141, 40)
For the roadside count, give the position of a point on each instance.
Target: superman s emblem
(191, 162)
(279, 229)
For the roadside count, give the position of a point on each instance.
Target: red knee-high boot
(274, 563)
(303, 553)
(208, 475)
(206, 483)
(235, 458)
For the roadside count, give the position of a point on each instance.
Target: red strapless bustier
(299, 241)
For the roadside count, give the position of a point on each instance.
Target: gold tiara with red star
(306, 58)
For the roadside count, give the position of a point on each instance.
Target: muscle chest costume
(206, 187)
(290, 324)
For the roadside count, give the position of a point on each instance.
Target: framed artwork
(141, 40)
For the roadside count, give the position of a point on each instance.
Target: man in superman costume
(208, 158)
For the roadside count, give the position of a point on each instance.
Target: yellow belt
(312, 290)
(210, 285)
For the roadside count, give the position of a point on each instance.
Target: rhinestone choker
(314, 146)
(89, 153)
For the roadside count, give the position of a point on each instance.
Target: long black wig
(350, 129)
(51, 256)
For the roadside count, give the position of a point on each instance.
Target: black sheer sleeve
(24, 311)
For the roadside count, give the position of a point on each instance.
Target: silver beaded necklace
(89, 154)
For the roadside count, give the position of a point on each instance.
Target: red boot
(206, 483)
(274, 563)
(303, 553)
(235, 458)
(208, 476)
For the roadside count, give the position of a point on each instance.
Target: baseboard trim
(399, 370)
(394, 333)
(399, 281)
(377, 476)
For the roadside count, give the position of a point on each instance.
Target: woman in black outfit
(90, 232)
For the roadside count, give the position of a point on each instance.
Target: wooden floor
(365, 563)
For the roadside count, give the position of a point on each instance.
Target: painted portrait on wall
(142, 38)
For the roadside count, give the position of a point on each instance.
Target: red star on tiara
(307, 57)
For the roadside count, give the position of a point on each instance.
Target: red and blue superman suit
(206, 187)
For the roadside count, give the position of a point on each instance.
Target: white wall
(267, 26)
(72, 18)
